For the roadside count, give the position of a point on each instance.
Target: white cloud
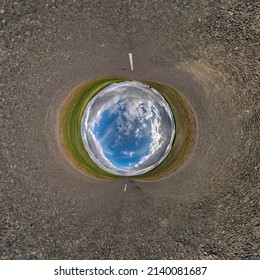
(129, 154)
(138, 133)
(96, 149)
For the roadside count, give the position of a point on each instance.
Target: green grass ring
(70, 127)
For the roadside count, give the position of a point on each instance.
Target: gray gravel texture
(207, 209)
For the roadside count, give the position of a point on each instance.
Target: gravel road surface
(207, 50)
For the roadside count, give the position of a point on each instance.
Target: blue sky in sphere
(120, 144)
(128, 128)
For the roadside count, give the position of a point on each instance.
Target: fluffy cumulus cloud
(128, 128)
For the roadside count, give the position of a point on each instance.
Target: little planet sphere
(128, 128)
